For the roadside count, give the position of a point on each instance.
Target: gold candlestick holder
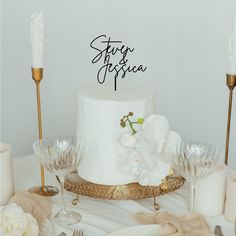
(231, 83)
(45, 190)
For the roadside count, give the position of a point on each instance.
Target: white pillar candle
(230, 206)
(232, 48)
(6, 174)
(37, 39)
(210, 193)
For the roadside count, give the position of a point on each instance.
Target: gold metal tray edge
(74, 183)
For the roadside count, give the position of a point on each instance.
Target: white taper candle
(37, 31)
(232, 48)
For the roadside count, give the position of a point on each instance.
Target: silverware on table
(78, 232)
(218, 231)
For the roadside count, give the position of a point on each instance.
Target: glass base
(66, 217)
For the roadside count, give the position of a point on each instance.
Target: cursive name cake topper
(113, 56)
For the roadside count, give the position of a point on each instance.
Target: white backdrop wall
(183, 43)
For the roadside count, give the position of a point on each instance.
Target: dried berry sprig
(126, 119)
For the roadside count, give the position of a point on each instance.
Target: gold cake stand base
(76, 184)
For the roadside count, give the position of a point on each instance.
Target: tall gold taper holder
(231, 83)
(37, 75)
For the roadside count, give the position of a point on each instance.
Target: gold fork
(78, 232)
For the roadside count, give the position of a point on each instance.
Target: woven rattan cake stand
(79, 186)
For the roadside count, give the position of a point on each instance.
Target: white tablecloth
(101, 217)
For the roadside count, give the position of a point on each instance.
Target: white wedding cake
(113, 156)
(99, 114)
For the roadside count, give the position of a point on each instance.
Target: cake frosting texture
(98, 123)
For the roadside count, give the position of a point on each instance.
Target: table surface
(102, 217)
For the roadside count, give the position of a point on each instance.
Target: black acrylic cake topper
(107, 52)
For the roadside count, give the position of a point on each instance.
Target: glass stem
(192, 206)
(62, 182)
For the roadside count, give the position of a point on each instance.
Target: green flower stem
(131, 126)
(125, 119)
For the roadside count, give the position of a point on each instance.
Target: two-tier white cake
(98, 123)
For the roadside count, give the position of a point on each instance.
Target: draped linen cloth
(173, 225)
(39, 206)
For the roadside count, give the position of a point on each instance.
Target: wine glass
(195, 160)
(60, 156)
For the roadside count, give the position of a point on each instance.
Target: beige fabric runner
(40, 207)
(173, 225)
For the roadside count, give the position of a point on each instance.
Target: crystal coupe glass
(195, 160)
(60, 156)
